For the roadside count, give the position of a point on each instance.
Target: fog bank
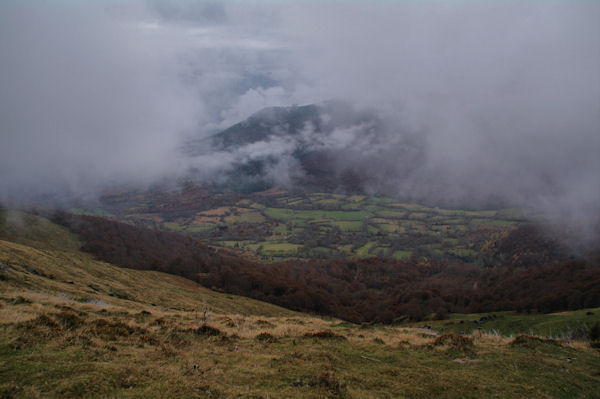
(503, 98)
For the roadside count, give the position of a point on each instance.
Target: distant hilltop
(326, 147)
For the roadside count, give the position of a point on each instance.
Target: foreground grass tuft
(325, 335)
(209, 331)
(455, 341)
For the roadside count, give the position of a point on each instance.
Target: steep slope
(78, 277)
(36, 231)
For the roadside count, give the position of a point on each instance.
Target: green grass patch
(351, 206)
(404, 255)
(347, 215)
(345, 248)
(326, 202)
(482, 214)
(173, 226)
(275, 248)
(287, 214)
(36, 231)
(463, 254)
(298, 222)
(568, 325)
(348, 225)
(321, 252)
(415, 225)
(364, 250)
(379, 220)
(232, 244)
(296, 202)
(282, 229)
(450, 212)
(393, 214)
(246, 217)
(201, 228)
(392, 228)
(416, 207)
(279, 213)
(418, 215)
(381, 199)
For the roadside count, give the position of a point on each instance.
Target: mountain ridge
(325, 147)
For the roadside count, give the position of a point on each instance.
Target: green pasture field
(173, 226)
(200, 228)
(562, 325)
(246, 217)
(348, 225)
(392, 214)
(402, 254)
(353, 206)
(364, 250)
(275, 248)
(335, 221)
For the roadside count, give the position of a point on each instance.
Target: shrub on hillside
(208, 331)
(69, 320)
(266, 337)
(325, 335)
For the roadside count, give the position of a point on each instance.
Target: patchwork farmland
(277, 224)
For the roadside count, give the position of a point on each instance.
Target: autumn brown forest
(536, 277)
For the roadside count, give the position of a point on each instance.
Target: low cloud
(88, 98)
(470, 102)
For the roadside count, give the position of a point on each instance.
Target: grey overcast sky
(505, 93)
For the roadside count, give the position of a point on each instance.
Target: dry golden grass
(73, 327)
(78, 277)
(125, 351)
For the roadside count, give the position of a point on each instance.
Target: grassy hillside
(73, 327)
(77, 277)
(35, 231)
